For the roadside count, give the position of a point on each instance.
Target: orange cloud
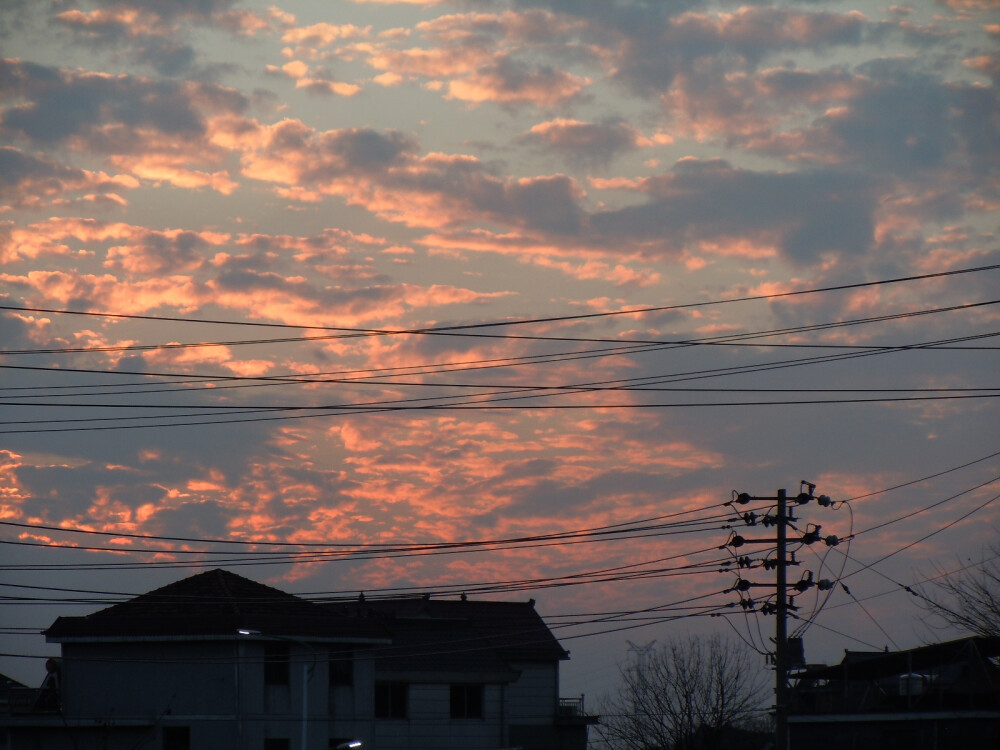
(501, 84)
(323, 34)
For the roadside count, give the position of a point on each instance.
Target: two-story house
(218, 661)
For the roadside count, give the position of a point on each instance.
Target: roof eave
(213, 637)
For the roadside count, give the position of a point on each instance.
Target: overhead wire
(491, 403)
(820, 605)
(357, 378)
(506, 587)
(310, 556)
(434, 590)
(623, 525)
(619, 342)
(925, 478)
(869, 615)
(871, 566)
(522, 321)
(918, 511)
(482, 401)
(585, 387)
(964, 465)
(899, 587)
(641, 388)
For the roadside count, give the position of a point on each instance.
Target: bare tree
(687, 695)
(968, 599)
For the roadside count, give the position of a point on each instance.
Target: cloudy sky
(378, 276)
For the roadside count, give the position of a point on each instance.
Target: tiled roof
(215, 603)
(513, 631)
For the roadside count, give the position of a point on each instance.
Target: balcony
(573, 711)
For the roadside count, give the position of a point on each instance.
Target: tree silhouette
(692, 694)
(968, 599)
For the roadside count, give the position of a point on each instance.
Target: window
(341, 666)
(275, 663)
(276, 743)
(466, 701)
(176, 738)
(390, 700)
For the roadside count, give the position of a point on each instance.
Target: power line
(249, 558)
(871, 565)
(434, 590)
(342, 411)
(466, 366)
(534, 391)
(917, 512)
(522, 321)
(450, 332)
(928, 477)
(623, 526)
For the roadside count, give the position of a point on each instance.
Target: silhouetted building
(463, 662)
(945, 696)
(217, 661)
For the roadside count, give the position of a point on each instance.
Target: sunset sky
(378, 276)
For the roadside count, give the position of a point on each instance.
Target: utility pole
(781, 605)
(781, 629)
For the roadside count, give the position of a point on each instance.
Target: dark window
(176, 738)
(276, 743)
(341, 666)
(276, 663)
(390, 700)
(466, 701)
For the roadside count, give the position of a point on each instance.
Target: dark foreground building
(945, 696)
(217, 661)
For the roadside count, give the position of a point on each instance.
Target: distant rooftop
(873, 664)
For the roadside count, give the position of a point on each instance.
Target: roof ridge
(224, 584)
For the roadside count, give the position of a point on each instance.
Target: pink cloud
(124, 19)
(428, 63)
(770, 26)
(383, 173)
(158, 252)
(175, 169)
(507, 82)
(324, 34)
(12, 494)
(108, 291)
(988, 65)
(474, 58)
(427, 3)
(300, 72)
(35, 182)
(354, 438)
(585, 141)
(154, 129)
(618, 274)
